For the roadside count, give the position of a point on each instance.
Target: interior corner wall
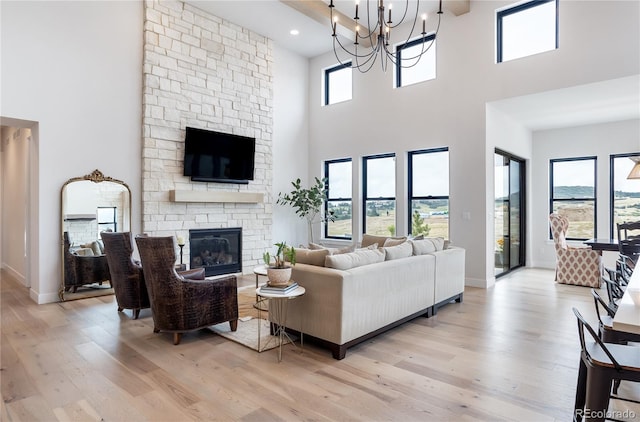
(68, 67)
(291, 140)
(451, 110)
(600, 140)
(506, 134)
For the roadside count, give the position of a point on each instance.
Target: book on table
(279, 289)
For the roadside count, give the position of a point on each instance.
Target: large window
(573, 194)
(338, 179)
(410, 71)
(527, 29)
(625, 193)
(337, 84)
(429, 192)
(379, 194)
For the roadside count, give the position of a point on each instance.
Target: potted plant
(308, 202)
(279, 271)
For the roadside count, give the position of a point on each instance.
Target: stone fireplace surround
(202, 71)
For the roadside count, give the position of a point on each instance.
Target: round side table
(278, 308)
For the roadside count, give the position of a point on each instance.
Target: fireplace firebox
(218, 251)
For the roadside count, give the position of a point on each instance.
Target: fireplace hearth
(218, 251)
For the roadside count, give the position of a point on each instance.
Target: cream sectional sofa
(346, 305)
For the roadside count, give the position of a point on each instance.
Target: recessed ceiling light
(294, 32)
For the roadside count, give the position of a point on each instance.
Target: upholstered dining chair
(178, 304)
(574, 265)
(126, 273)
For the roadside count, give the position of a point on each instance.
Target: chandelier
(374, 39)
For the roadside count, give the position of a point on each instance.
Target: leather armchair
(126, 273)
(179, 304)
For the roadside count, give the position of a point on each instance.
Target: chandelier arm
(354, 54)
(371, 33)
(413, 27)
(361, 66)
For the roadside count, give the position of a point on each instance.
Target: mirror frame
(95, 176)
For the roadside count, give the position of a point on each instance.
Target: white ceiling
(600, 102)
(275, 20)
(606, 101)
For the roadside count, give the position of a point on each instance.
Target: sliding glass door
(509, 208)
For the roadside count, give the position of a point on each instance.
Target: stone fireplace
(218, 251)
(202, 71)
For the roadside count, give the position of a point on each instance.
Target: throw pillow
(369, 239)
(333, 251)
(370, 247)
(403, 250)
(421, 247)
(311, 257)
(438, 242)
(427, 245)
(355, 259)
(394, 241)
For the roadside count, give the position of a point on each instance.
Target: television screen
(218, 157)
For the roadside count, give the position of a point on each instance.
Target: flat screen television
(211, 156)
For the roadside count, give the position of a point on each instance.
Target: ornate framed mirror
(89, 205)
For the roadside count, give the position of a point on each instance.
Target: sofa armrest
(450, 264)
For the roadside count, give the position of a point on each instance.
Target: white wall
(14, 179)
(510, 136)
(290, 140)
(599, 140)
(450, 111)
(76, 69)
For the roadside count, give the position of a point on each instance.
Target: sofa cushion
(311, 257)
(94, 246)
(427, 245)
(370, 239)
(402, 250)
(354, 259)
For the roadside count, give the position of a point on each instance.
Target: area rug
(247, 332)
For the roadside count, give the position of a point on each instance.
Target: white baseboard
(15, 274)
(43, 298)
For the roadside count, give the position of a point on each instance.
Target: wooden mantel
(219, 196)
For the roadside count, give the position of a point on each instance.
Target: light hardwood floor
(508, 353)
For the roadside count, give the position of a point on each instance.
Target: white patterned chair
(574, 265)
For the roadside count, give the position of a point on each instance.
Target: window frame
(365, 198)
(595, 191)
(327, 165)
(107, 223)
(612, 221)
(327, 74)
(517, 9)
(410, 196)
(399, 48)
